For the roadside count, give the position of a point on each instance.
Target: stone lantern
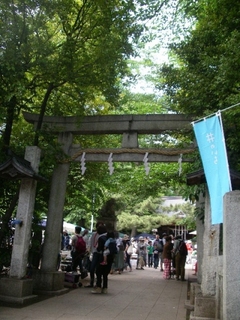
(17, 288)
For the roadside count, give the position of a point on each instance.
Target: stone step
(192, 317)
(205, 307)
(195, 290)
(188, 305)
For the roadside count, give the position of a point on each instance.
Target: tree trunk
(7, 216)
(9, 123)
(42, 112)
(133, 232)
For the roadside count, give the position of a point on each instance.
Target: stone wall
(219, 273)
(210, 253)
(231, 255)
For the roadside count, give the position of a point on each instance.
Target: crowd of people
(106, 253)
(169, 253)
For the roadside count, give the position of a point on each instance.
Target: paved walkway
(141, 295)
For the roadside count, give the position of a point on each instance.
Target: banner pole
(225, 149)
(215, 113)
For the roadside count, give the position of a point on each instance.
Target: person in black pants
(155, 256)
(95, 255)
(102, 271)
(76, 256)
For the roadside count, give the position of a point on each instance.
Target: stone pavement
(140, 294)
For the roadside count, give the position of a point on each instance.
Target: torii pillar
(48, 279)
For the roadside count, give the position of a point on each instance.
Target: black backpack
(182, 248)
(159, 245)
(113, 247)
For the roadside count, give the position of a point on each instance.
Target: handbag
(130, 250)
(84, 274)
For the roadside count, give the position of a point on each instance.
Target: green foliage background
(79, 58)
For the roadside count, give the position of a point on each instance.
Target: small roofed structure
(17, 168)
(198, 177)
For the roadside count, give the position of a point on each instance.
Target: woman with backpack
(103, 270)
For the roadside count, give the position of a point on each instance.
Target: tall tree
(59, 53)
(203, 77)
(63, 58)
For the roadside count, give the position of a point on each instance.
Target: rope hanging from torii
(111, 152)
(169, 152)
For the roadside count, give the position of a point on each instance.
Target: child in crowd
(150, 254)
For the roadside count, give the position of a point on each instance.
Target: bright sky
(143, 86)
(164, 34)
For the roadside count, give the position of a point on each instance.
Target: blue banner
(211, 143)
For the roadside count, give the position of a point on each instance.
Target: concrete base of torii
(48, 283)
(17, 291)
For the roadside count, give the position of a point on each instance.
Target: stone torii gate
(129, 126)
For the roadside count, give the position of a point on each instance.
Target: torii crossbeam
(129, 126)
